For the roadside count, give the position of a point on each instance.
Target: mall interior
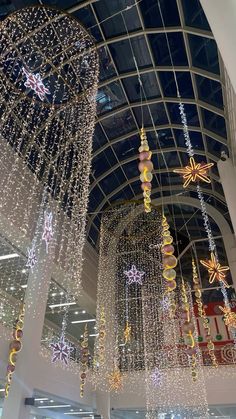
(118, 209)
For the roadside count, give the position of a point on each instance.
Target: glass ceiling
(130, 34)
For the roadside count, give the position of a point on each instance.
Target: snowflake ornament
(157, 377)
(166, 303)
(47, 231)
(31, 257)
(61, 351)
(34, 82)
(134, 276)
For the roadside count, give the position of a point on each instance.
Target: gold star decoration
(229, 317)
(215, 270)
(115, 379)
(194, 172)
(127, 332)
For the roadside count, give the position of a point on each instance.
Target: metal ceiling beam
(163, 100)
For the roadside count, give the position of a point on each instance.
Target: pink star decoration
(61, 351)
(34, 82)
(47, 231)
(134, 276)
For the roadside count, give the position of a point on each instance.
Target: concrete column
(22, 385)
(228, 180)
(227, 174)
(221, 16)
(103, 404)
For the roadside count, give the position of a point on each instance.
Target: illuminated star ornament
(115, 379)
(31, 257)
(229, 317)
(61, 351)
(215, 270)
(134, 276)
(47, 231)
(34, 82)
(157, 377)
(194, 172)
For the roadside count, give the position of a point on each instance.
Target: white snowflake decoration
(47, 231)
(31, 257)
(34, 82)
(166, 303)
(134, 276)
(61, 351)
(157, 377)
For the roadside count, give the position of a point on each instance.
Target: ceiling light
(51, 401)
(10, 256)
(24, 286)
(23, 271)
(79, 413)
(76, 312)
(61, 305)
(137, 411)
(41, 398)
(54, 407)
(83, 311)
(2, 390)
(83, 321)
(94, 334)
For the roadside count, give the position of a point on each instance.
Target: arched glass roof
(130, 34)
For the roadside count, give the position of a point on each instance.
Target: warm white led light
(54, 407)
(39, 399)
(83, 321)
(78, 413)
(62, 305)
(10, 256)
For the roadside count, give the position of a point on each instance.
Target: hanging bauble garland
(15, 347)
(169, 262)
(202, 314)
(145, 167)
(84, 360)
(188, 330)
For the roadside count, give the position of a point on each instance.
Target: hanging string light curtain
(48, 85)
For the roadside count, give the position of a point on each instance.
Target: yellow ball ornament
(169, 274)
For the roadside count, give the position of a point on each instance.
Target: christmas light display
(194, 172)
(47, 231)
(15, 347)
(142, 339)
(31, 257)
(215, 270)
(202, 314)
(145, 167)
(48, 85)
(34, 82)
(188, 330)
(169, 262)
(134, 275)
(229, 317)
(84, 360)
(61, 351)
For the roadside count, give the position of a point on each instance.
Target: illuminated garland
(169, 262)
(47, 125)
(145, 167)
(15, 347)
(202, 314)
(101, 336)
(188, 329)
(84, 360)
(207, 225)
